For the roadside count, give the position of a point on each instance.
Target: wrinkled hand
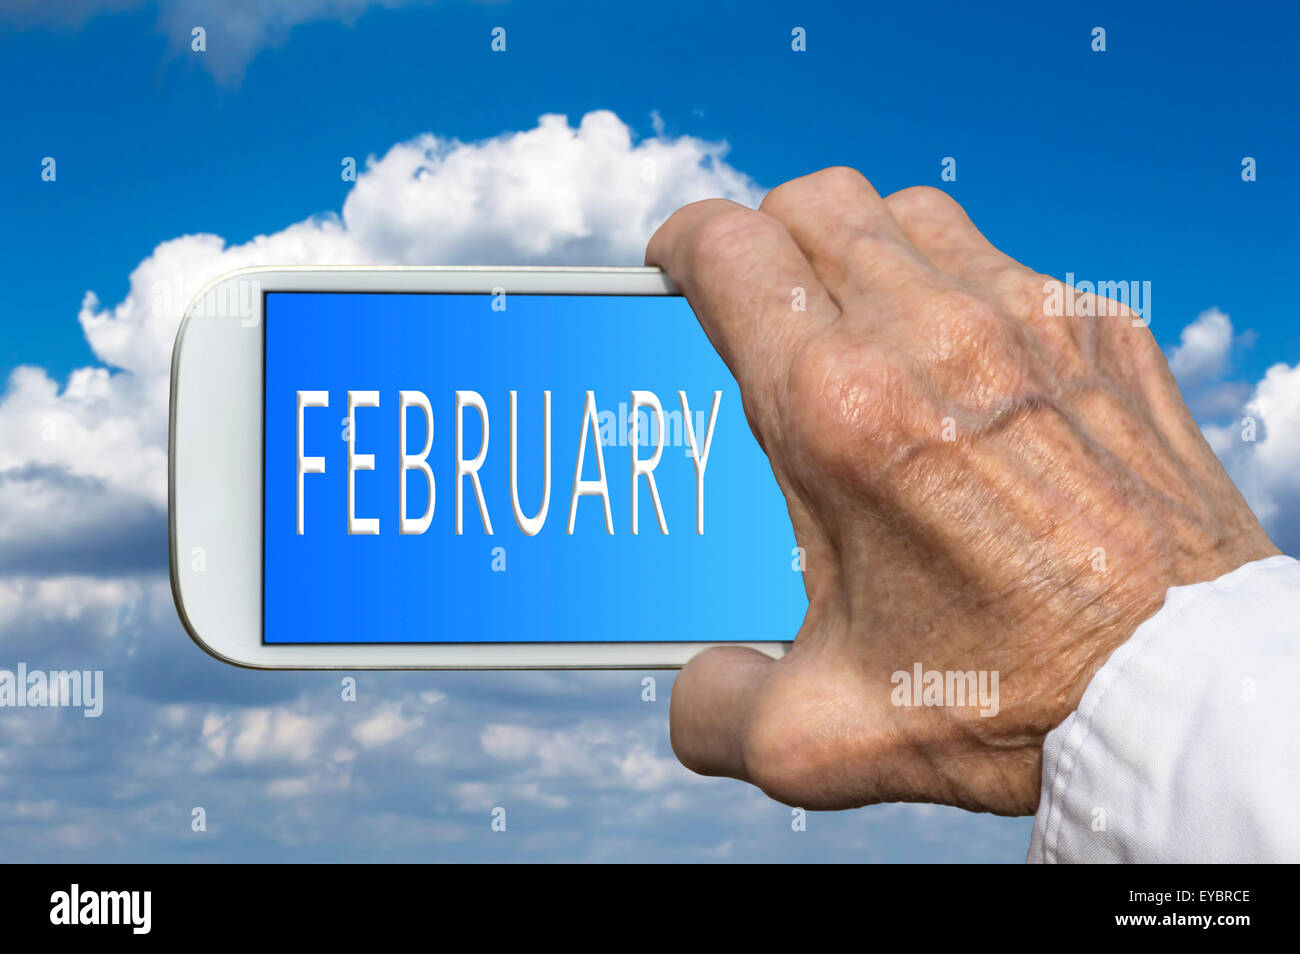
(977, 485)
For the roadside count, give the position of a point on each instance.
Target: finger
(847, 233)
(753, 291)
(941, 230)
(711, 702)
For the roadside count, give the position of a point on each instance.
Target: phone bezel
(214, 471)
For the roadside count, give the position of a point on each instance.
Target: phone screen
(391, 513)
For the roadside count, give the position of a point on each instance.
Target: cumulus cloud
(236, 31)
(626, 759)
(254, 735)
(1203, 348)
(1261, 449)
(547, 196)
(1254, 429)
(57, 521)
(386, 725)
(1201, 359)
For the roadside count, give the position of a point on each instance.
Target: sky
(172, 166)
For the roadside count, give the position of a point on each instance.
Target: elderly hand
(978, 484)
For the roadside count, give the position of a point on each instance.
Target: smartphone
(467, 468)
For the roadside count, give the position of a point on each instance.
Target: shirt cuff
(1184, 747)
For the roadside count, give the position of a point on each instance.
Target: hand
(977, 486)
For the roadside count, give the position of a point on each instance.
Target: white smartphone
(467, 468)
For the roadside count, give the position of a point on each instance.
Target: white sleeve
(1186, 744)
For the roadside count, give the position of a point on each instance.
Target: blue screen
(736, 581)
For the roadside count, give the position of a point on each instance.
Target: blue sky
(1122, 165)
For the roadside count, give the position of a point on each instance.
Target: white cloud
(571, 752)
(1267, 467)
(551, 195)
(643, 769)
(1254, 429)
(1200, 361)
(621, 759)
(1203, 348)
(261, 735)
(512, 742)
(90, 604)
(386, 725)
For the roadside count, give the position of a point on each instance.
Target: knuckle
(784, 196)
(1024, 291)
(731, 234)
(1063, 342)
(836, 181)
(956, 316)
(973, 353)
(837, 406)
(923, 200)
(840, 179)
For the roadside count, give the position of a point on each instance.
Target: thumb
(712, 699)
